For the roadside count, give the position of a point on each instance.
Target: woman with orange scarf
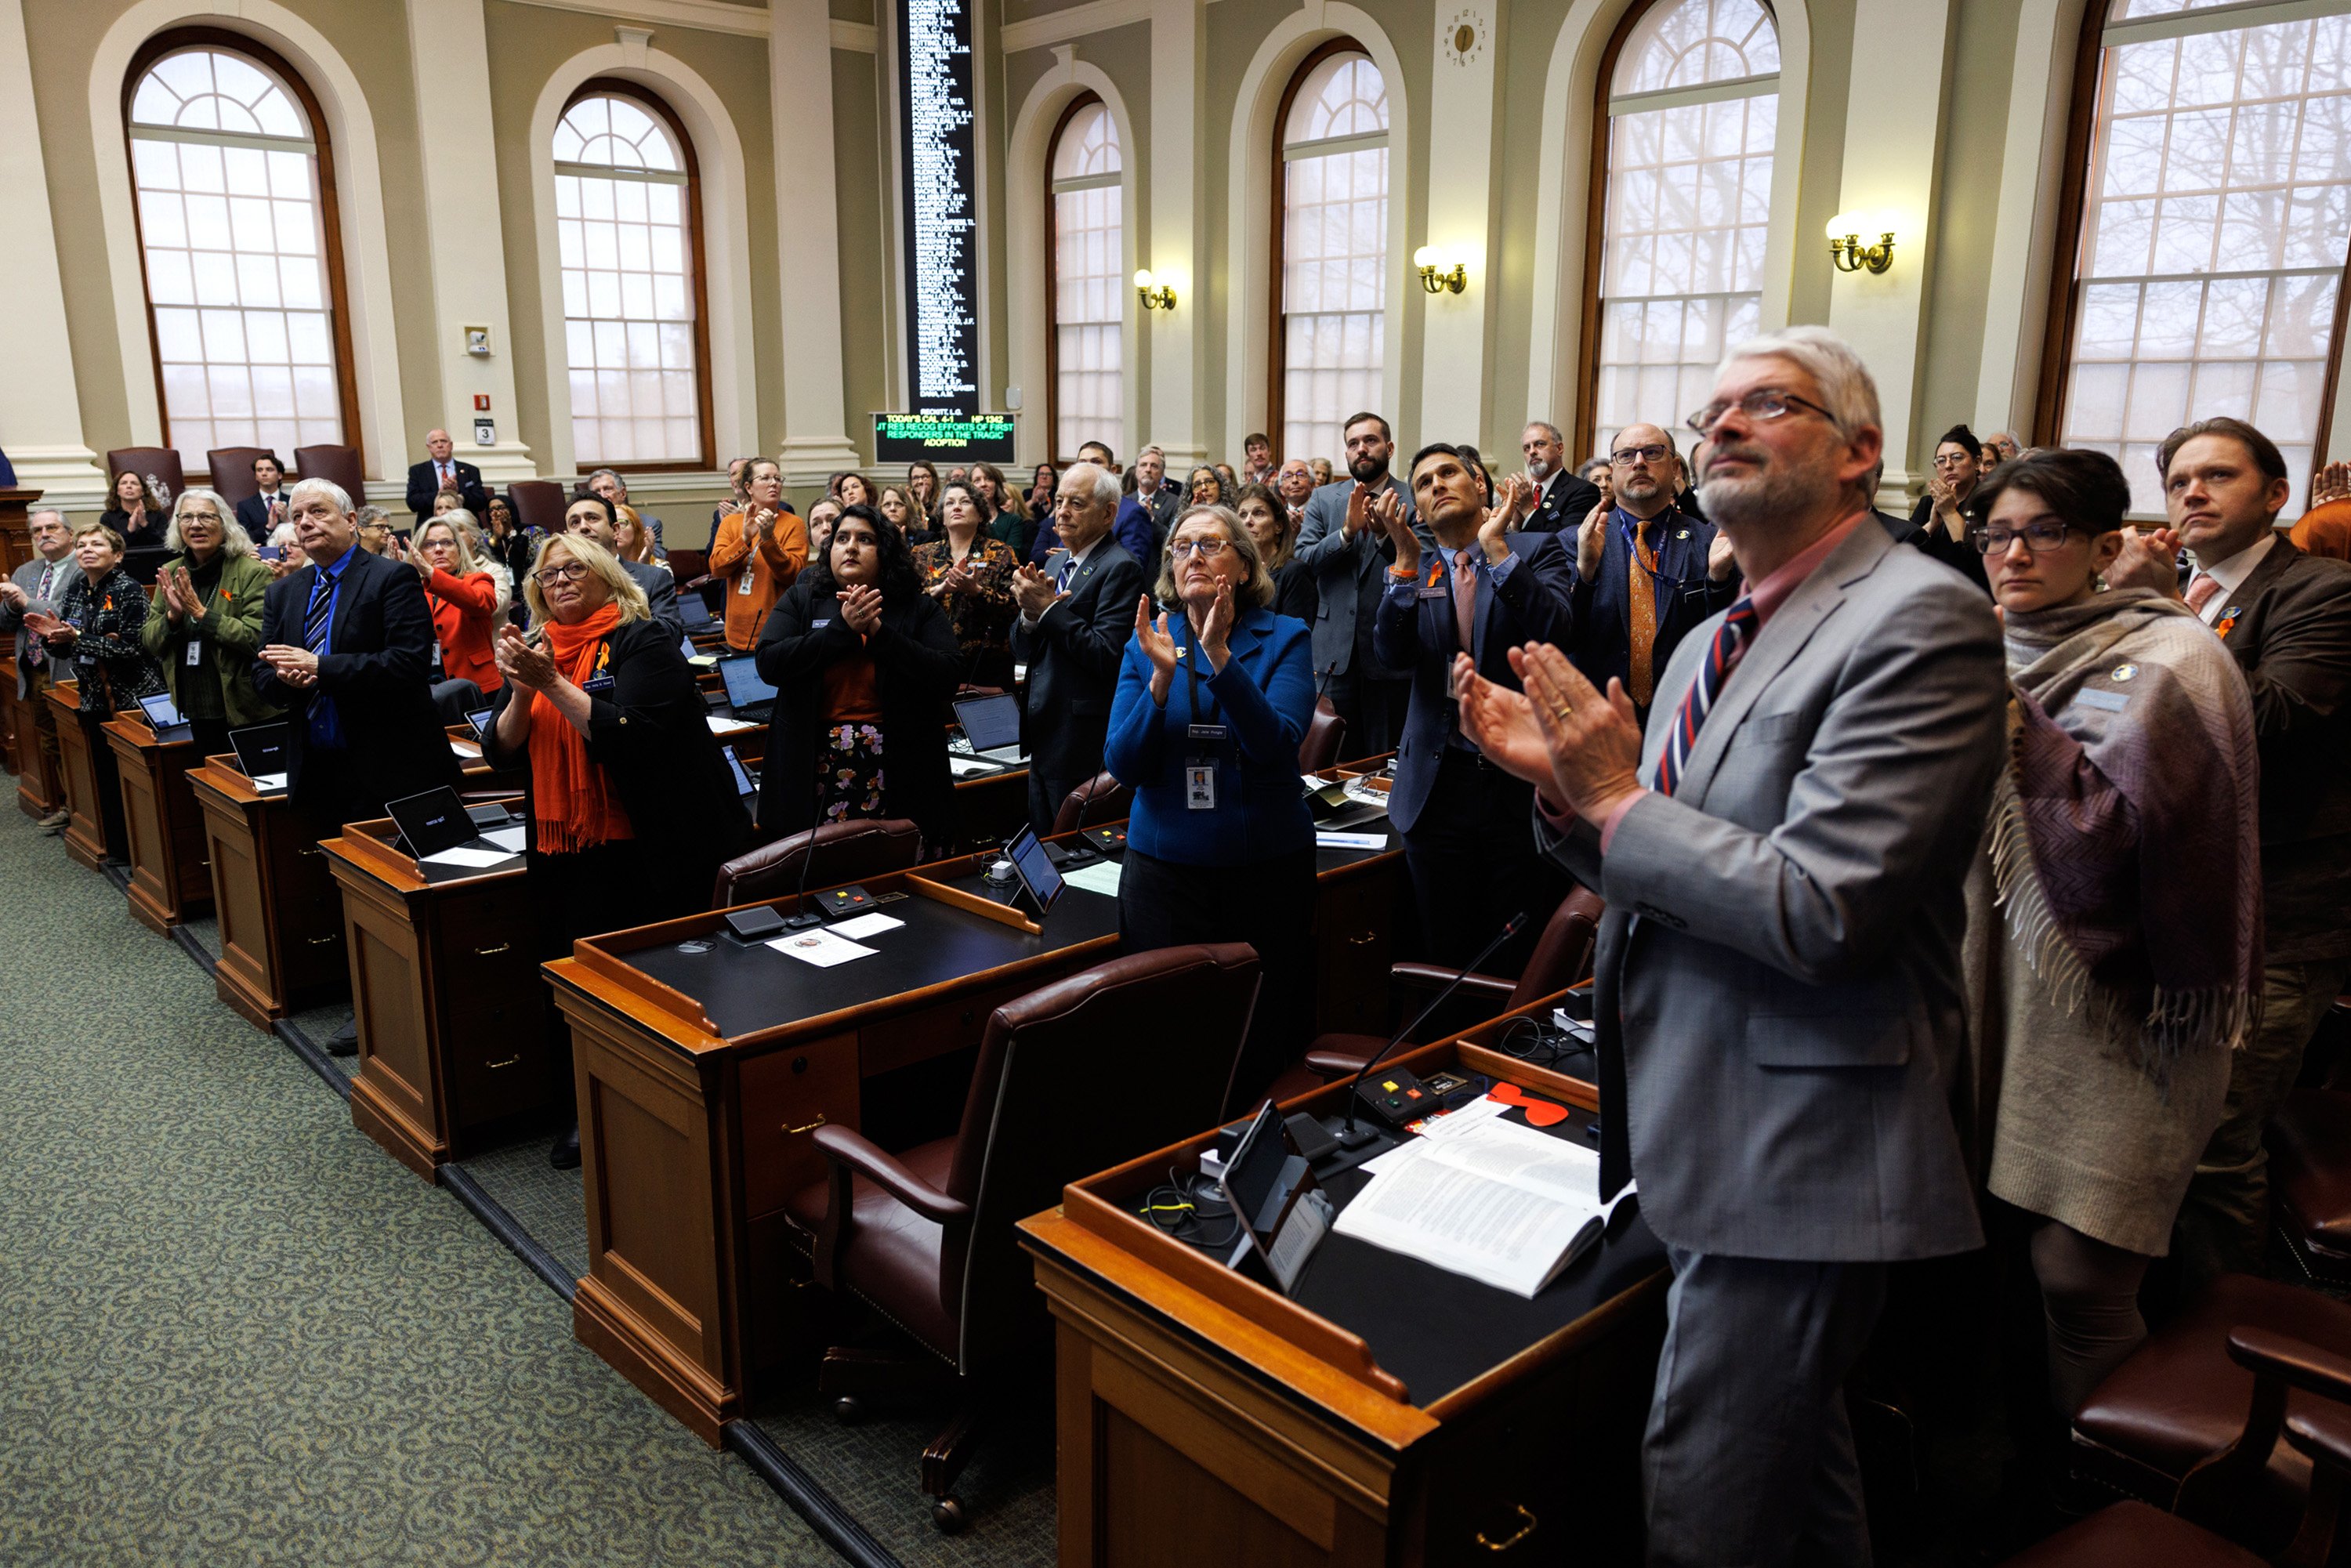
(631, 807)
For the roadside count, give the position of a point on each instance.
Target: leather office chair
(1101, 798)
(2215, 1514)
(149, 463)
(1325, 733)
(337, 465)
(842, 852)
(539, 504)
(231, 469)
(1562, 957)
(925, 1235)
(2309, 1143)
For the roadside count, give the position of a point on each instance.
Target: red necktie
(1465, 601)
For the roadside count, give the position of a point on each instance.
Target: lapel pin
(2124, 672)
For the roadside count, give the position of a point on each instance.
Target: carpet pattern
(231, 1330)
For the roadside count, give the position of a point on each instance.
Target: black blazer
(424, 484)
(253, 516)
(2289, 625)
(916, 666)
(1682, 592)
(377, 667)
(1960, 555)
(1294, 591)
(144, 531)
(1567, 500)
(1074, 654)
(652, 733)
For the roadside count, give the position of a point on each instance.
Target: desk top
(374, 850)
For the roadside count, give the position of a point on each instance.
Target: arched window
(628, 224)
(1684, 192)
(1331, 286)
(2215, 210)
(1087, 287)
(242, 260)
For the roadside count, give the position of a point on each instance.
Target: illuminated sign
(939, 210)
(951, 438)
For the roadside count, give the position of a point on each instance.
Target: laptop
(693, 611)
(165, 720)
(436, 826)
(749, 698)
(747, 783)
(261, 752)
(992, 726)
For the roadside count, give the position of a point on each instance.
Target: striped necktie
(1730, 641)
(36, 652)
(314, 620)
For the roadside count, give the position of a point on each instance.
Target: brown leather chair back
(335, 465)
(231, 469)
(1325, 733)
(1091, 1072)
(539, 504)
(1101, 798)
(1563, 956)
(842, 851)
(147, 462)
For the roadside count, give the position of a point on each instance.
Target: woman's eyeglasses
(1206, 550)
(550, 576)
(2038, 536)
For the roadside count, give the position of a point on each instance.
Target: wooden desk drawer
(495, 1033)
(786, 1096)
(950, 1026)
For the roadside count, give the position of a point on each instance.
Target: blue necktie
(1730, 641)
(315, 618)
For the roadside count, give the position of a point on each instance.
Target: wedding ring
(1559, 711)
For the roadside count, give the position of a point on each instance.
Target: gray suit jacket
(28, 578)
(1779, 1001)
(1347, 577)
(661, 593)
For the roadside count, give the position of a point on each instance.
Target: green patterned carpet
(231, 1330)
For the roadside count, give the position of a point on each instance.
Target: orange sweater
(462, 608)
(756, 579)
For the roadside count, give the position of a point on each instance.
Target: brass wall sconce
(1433, 275)
(1848, 254)
(1154, 296)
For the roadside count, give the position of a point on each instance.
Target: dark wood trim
(1584, 418)
(1276, 339)
(331, 220)
(1053, 279)
(2090, 84)
(646, 99)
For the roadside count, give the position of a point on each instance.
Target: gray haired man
(39, 586)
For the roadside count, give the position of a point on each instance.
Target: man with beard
(1349, 554)
(1151, 506)
(1777, 980)
(1645, 572)
(1563, 497)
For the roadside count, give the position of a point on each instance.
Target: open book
(1501, 1203)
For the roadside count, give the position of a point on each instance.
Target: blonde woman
(463, 600)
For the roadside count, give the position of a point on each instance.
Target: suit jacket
(2289, 625)
(661, 593)
(376, 668)
(424, 483)
(1567, 500)
(916, 665)
(1683, 593)
(1777, 1002)
(1072, 654)
(28, 578)
(1347, 579)
(252, 515)
(1529, 599)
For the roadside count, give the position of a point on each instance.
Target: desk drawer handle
(1365, 940)
(313, 849)
(509, 1061)
(1515, 1537)
(322, 941)
(810, 1127)
(491, 952)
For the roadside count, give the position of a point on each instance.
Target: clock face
(1465, 39)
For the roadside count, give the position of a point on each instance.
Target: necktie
(1062, 578)
(1642, 561)
(314, 620)
(1465, 601)
(1730, 640)
(2200, 592)
(36, 653)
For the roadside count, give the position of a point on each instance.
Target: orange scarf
(572, 803)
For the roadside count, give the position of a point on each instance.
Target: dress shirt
(2230, 574)
(1067, 571)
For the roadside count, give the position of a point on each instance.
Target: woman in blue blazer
(1205, 729)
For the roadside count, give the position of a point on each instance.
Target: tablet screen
(1028, 857)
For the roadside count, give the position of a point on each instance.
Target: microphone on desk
(803, 916)
(1350, 1136)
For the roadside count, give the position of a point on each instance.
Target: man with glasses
(1076, 615)
(593, 516)
(39, 588)
(1785, 859)
(1645, 572)
(1563, 497)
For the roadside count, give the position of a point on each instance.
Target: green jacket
(232, 629)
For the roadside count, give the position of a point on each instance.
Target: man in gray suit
(40, 585)
(1778, 1009)
(1350, 556)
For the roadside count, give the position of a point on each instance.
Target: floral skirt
(849, 772)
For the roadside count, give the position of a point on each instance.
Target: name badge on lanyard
(743, 583)
(195, 653)
(1200, 787)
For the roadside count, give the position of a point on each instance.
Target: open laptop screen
(161, 712)
(990, 723)
(261, 752)
(744, 686)
(432, 821)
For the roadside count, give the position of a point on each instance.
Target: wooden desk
(39, 790)
(11, 725)
(171, 875)
(281, 931)
(1203, 1418)
(451, 1018)
(85, 833)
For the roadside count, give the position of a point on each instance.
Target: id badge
(596, 685)
(1434, 592)
(743, 583)
(1200, 787)
(195, 653)
(436, 653)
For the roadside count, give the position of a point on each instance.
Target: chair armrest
(2296, 1363)
(1430, 978)
(1333, 1065)
(852, 1150)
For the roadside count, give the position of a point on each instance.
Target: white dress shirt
(2231, 573)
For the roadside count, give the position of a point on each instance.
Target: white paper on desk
(968, 766)
(507, 838)
(1352, 841)
(464, 747)
(819, 947)
(720, 725)
(465, 856)
(1099, 877)
(866, 926)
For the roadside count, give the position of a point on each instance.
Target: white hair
(335, 494)
(1847, 390)
(283, 535)
(1106, 489)
(38, 513)
(234, 540)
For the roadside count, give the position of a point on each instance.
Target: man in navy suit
(260, 513)
(1468, 841)
(1645, 572)
(1075, 619)
(1563, 497)
(440, 472)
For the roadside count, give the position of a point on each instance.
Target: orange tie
(1642, 561)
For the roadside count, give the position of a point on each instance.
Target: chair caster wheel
(948, 1515)
(849, 1409)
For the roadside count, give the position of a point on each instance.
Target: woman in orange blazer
(463, 597)
(758, 554)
